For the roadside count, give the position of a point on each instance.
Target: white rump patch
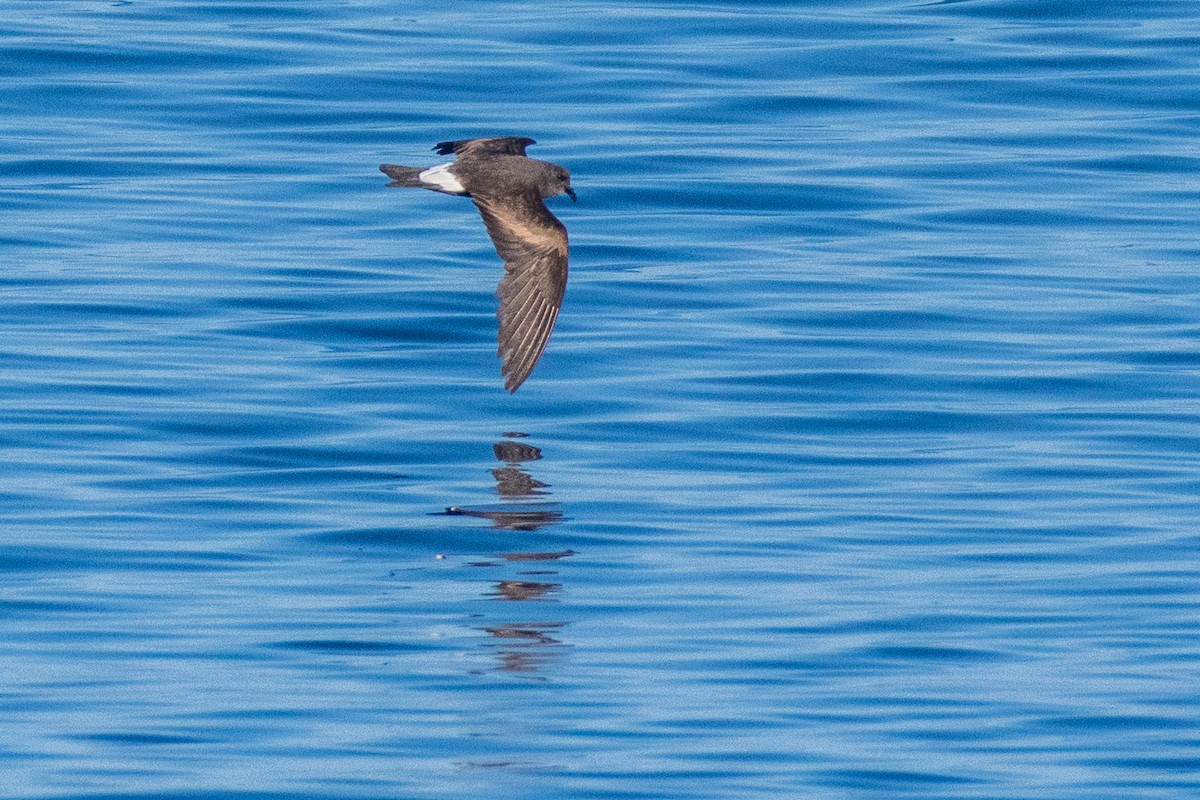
(441, 177)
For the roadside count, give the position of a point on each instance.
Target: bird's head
(558, 182)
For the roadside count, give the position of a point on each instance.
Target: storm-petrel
(508, 189)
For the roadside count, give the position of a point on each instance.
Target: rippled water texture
(863, 461)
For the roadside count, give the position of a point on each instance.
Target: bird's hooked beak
(571, 193)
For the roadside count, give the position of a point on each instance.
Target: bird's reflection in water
(525, 648)
(521, 647)
(514, 484)
(511, 480)
(525, 590)
(514, 520)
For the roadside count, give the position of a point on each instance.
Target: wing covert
(500, 145)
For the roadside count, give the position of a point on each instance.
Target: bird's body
(508, 189)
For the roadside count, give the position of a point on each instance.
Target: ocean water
(864, 461)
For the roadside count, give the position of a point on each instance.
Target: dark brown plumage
(509, 189)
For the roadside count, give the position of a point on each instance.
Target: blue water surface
(864, 461)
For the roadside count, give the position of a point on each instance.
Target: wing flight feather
(533, 244)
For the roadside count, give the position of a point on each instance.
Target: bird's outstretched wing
(502, 145)
(533, 244)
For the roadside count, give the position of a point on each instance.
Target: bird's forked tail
(403, 176)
